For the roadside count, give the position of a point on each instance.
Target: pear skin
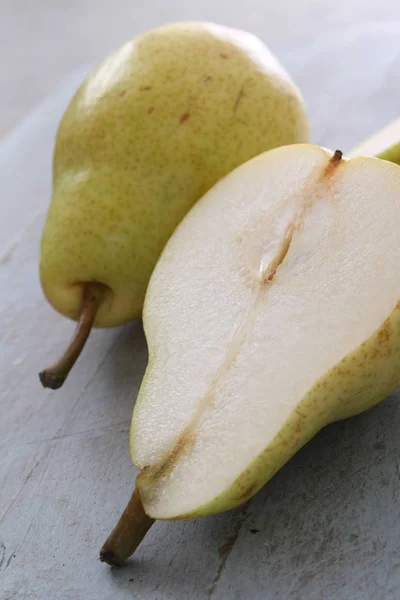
(152, 129)
(384, 144)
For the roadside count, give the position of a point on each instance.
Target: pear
(154, 127)
(384, 144)
(273, 311)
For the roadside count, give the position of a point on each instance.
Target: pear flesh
(273, 311)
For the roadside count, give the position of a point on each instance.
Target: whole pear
(154, 127)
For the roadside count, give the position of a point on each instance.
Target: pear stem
(128, 533)
(54, 376)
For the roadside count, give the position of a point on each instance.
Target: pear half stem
(128, 533)
(54, 376)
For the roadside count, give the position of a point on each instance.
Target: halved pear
(384, 144)
(273, 311)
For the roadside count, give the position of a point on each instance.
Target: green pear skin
(385, 144)
(147, 134)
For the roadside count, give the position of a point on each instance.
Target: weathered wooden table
(326, 527)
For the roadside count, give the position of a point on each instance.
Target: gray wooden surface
(326, 526)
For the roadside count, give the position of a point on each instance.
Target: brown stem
(54, 376)
(128, 533)
(334, 162)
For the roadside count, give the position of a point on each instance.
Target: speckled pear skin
(154, 127)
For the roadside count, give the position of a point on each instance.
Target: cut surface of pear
(384, 144)
(272, 312)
